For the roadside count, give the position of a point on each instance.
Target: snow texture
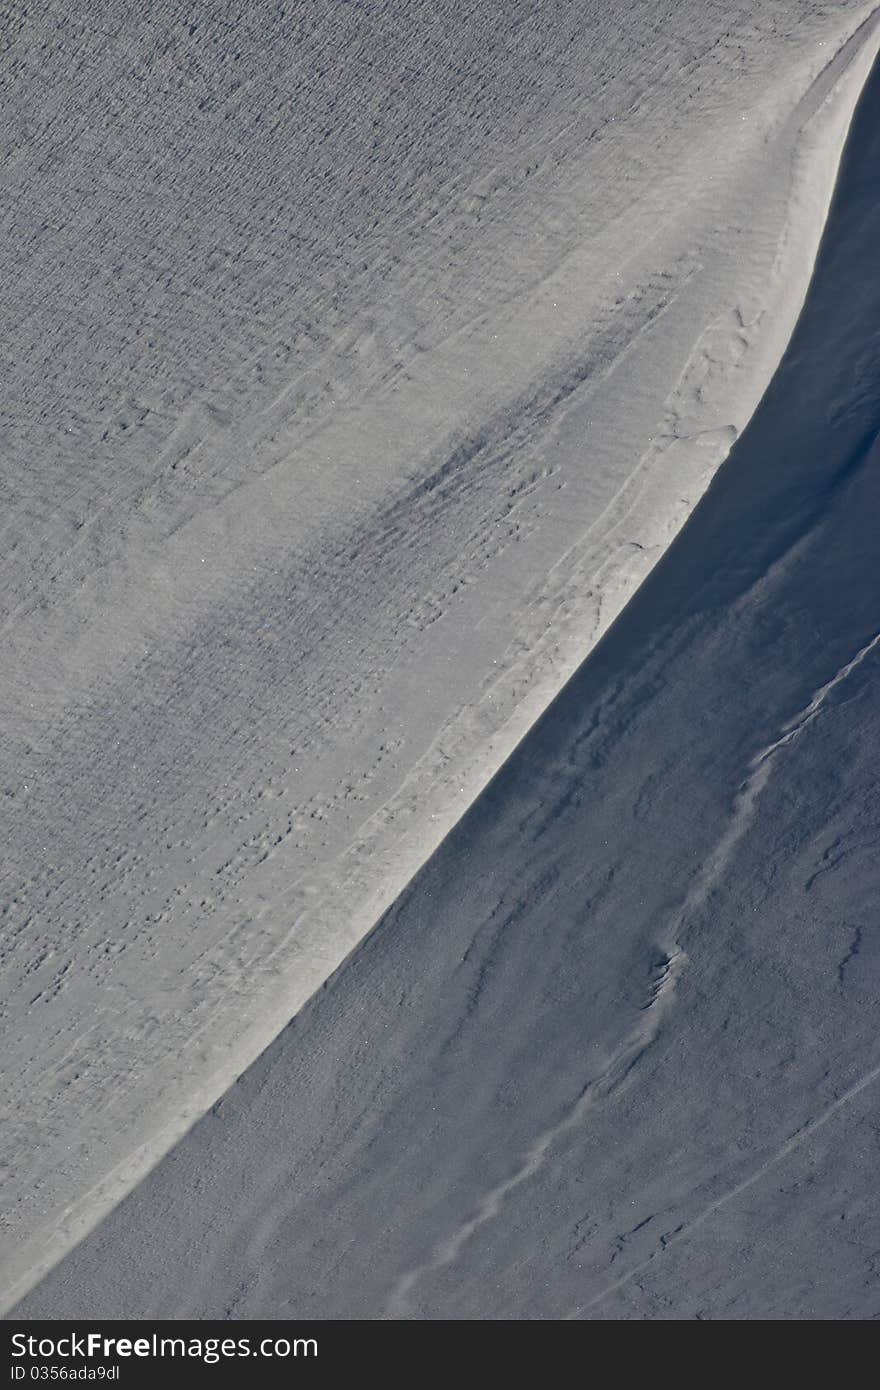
(360, 362)
(613, 1052)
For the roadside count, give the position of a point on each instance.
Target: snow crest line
(809, 713)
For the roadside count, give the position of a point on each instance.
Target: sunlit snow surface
(343, 417)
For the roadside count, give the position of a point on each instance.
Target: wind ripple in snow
(673, 962)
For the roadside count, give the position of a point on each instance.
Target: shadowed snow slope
(360, 361)
(613, 1052)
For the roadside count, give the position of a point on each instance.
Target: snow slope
(613, 1053)
(359, 363)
